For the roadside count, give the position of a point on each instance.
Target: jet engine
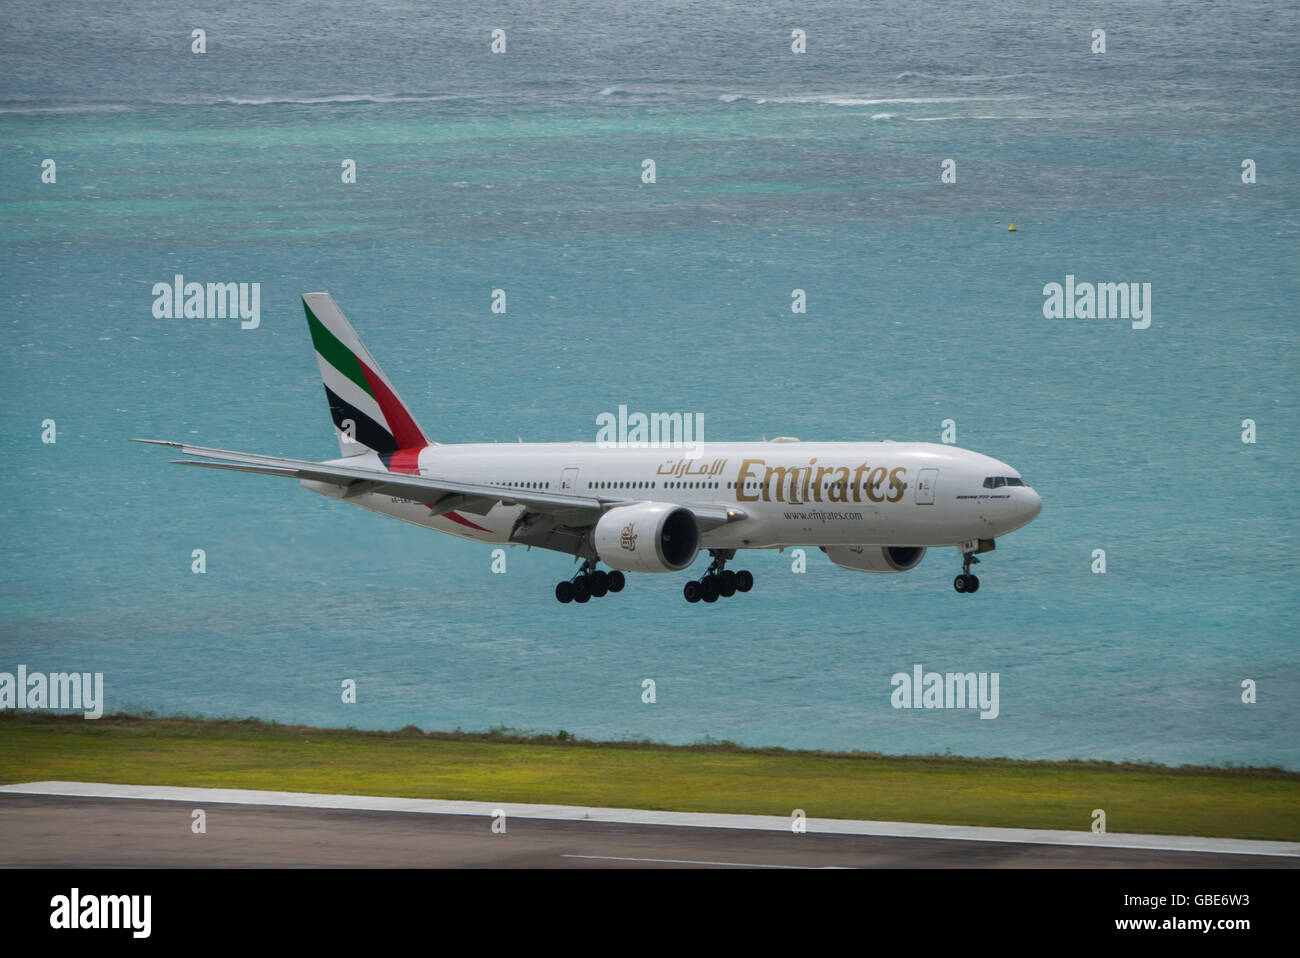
(876, 558)
(647, 537)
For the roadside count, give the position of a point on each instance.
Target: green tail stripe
(335, 353)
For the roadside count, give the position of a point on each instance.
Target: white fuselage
(790, 493)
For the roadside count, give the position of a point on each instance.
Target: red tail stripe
(405, 431)
(405, 460)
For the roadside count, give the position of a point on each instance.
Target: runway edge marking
(633, 816)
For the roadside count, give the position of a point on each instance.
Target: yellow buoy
(1011, 228)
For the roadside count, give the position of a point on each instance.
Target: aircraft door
(569, 480)
(925, 482)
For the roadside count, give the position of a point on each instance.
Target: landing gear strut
(719, 580)
(966, 582)
(590, 583)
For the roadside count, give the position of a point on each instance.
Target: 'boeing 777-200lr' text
(870, 506)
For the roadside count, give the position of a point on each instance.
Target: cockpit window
(1015, 481)
(997, 482)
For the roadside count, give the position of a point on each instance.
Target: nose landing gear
(966, 582)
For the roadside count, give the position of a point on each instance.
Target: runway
(91, 830)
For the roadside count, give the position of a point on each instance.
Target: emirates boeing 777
(870, 506)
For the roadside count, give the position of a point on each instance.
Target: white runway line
(633, 816)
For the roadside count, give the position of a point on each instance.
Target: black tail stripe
(366, 431)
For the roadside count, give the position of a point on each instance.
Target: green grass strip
(503, 766)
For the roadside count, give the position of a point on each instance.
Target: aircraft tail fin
(367, 412)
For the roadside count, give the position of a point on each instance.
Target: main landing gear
(590, 583)
(966, 582)
(719, 581)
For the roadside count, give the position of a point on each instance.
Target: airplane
(870, 506)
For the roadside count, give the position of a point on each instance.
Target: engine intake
(647, 537)
(876, 558)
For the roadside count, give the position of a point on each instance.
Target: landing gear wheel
(718, 580)
(616, 581)
(598, 583)
(564, 592)
(966, 582)
(581, 589)
(692, 591)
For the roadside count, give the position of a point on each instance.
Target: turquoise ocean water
(775, 171)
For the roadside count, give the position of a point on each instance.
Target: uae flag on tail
(366, 410)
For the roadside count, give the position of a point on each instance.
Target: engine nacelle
(647, 537)
(876, 558)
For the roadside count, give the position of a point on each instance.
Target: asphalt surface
(39, 831)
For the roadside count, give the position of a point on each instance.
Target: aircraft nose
(1033, 504)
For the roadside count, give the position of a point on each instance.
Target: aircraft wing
(441, 495)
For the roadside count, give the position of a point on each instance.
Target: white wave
(971, 116)
(334, 98)
(958, 77)
(882, 116)
(837, 99)
(889, 101)
(338, 98)
(828, 99)
(68, 108)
